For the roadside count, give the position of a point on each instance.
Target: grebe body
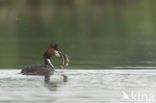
(37, 69)
(47, 68)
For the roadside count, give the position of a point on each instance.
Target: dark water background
(94, 33)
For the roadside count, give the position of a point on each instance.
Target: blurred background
(94, 33)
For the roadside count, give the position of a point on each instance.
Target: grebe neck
(47, 61)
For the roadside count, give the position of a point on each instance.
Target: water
(82, 86)
(94, 33)
(110, 34)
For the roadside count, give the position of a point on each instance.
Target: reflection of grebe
(53, 85)
(47, 68)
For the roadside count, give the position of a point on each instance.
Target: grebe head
(52, 51)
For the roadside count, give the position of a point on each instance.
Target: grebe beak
(60, 54)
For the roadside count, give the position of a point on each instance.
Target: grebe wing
(37, 69)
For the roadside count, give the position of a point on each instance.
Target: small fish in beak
(65, 59)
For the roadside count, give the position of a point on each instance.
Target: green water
(94, 33)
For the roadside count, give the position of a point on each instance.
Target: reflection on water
(82, 86)
(52, 85)
(94, 33)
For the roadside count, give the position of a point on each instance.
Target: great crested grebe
(47, 68)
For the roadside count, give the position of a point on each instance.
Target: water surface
(82, 86)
